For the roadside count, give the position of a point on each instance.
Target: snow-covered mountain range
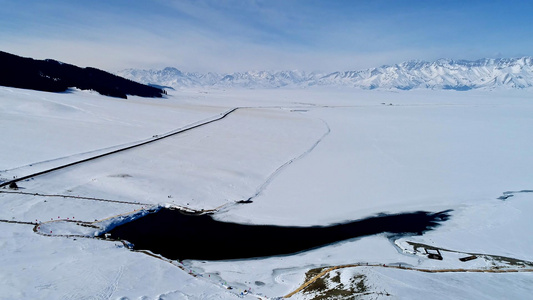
(440, 74)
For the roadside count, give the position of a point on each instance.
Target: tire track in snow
(109, 290)
(274, 174)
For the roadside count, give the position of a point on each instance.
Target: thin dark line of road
(18, 222)
(76, 197)
(222, 116)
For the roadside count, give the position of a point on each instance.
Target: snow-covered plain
(312, 156)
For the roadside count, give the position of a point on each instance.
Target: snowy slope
(441, 74)
(173, 77)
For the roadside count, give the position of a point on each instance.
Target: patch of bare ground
(326, 284)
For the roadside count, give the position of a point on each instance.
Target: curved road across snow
(154, 139)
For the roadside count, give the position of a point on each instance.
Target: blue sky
(238, 35)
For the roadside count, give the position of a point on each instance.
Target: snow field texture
(343, 154)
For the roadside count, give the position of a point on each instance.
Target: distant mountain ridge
(54, 76)
(516, 73)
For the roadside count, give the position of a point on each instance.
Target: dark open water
(176, 235)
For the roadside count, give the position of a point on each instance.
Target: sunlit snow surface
(305, 157)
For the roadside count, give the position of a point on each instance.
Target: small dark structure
(13, 186)
(471, 257)
(245, 201)
(433, 255)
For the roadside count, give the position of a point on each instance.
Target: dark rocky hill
(53, 76)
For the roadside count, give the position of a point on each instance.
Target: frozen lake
(177, 235)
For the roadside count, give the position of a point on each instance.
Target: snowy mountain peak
(440, 74)
(172, 71)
